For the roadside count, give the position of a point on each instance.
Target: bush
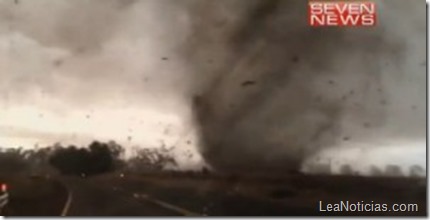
(96, 159)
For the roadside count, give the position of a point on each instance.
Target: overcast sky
(75, 71)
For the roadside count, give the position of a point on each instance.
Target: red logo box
(342, 13)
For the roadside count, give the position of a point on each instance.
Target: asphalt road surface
(90, 199)
(117, 195)
(112, 195)
(102, 197)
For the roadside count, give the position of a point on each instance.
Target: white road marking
(166, 205)
(67, 205)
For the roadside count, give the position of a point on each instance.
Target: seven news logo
(326, 13)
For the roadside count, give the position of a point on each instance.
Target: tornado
(270, 91)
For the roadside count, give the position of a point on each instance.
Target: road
(90, 199)
(96, 198)
(182, 196)
(113, 195)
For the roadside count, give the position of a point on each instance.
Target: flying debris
(248, 83)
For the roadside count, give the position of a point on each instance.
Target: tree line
(100, 157)
(96, 158)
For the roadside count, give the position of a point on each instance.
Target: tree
(13, 160)
(101, 158)
(393, 170)
(346, 169)
(375, 171)
(117, 152)
(151, 159)
(416, 171)
(97, 158)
